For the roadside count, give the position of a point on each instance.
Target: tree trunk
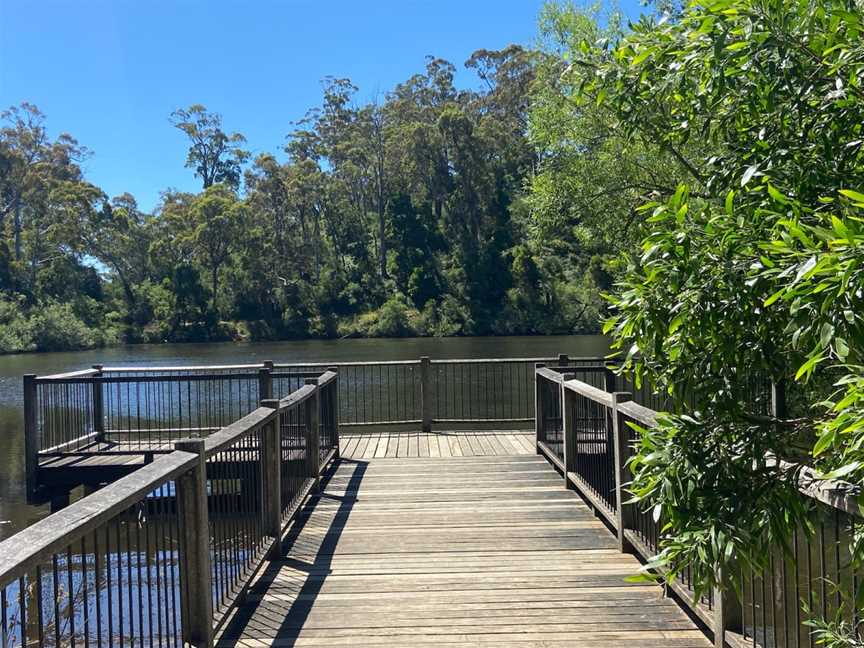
(18, 228)
(382, 240)
(215, 283)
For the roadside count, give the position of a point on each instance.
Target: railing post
(313, 439)
(727, 610)
(624, 518)
(563, 360)
(538, 409)
(265, 381)
(778, 399)
(426, 392)
(271, 461)
(609, 382)
(31, 436)
(569, 425)
(335, 410)
(197, 607)
(98, 407)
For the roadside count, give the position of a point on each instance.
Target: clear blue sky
(109, 72)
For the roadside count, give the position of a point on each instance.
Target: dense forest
(405, 216)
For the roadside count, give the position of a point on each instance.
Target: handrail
(21, 552)
(70, 374)
(590, 444)
(589, 391)
(240, 487)
(238, 429)
(640, 413)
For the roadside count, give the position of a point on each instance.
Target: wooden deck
(452, 551)
(470, 443)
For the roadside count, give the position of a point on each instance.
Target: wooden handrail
(630, 525)
(639, 413)
(24, 550)
(240, 428)
(73, 528)
(588, 391)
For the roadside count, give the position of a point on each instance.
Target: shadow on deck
(453, 551)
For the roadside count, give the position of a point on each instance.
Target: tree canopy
(728, 137)
(406, 214)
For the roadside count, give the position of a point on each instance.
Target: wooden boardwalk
(452, 551)
(472, 443)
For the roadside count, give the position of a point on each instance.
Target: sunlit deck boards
(467, 443)
(460, 551)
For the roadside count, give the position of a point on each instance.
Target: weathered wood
(55, 533)
(31, 436)
(195, 575)
(778, 399)
(426, 396)
(271, 460)
(590, 392)
(567, 402)
(728, 614)
(374, 566)
(538, 408)
(311, 435)
(336, 410)
(265, 383)
(639, 413)
(98, 409)
(610, 381)
(624, 517)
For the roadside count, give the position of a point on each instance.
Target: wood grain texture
(485, 548)
(416, 444)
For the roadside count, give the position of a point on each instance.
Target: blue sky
(109, 72)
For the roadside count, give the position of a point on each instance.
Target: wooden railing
(142, 410)
(585, 432)
(161, 556)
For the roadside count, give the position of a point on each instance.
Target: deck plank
(480, 550)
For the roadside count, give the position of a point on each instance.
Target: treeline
(410, 215)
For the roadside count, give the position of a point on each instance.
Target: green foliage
(399, 216)
(747, 266)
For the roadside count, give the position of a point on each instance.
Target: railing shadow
(316, 566)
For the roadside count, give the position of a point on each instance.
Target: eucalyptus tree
(216, 156)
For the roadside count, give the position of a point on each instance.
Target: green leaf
(854, 195)
(776, 195)
(773, 298)
(730, 197)
(639, 58)
(841, 348)
(808, 366)
(825, 441)
(748, 174)
(826, 333)
(839, 226)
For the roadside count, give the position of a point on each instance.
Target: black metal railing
(159, 557)
(814, 577)
(549, 419)
(102, 573)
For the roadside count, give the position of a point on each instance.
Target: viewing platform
(428, 502)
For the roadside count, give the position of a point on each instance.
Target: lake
(15, 514)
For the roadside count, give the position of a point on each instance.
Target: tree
(216, 156)
(748, 272)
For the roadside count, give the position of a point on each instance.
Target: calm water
(15, 514)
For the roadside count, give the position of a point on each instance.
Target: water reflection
(15, 514)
